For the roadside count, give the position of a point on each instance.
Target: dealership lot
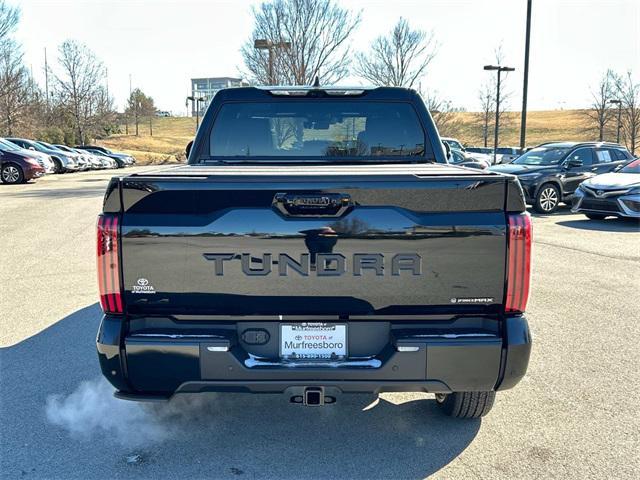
(573, 416)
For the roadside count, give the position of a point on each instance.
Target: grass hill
(542, 126)
(171, 135)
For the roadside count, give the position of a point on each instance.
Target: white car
(85, 161)
(94, 161)
(481, 157)
(507, 154)
(613, 194)
(107, 162)
(454, 143)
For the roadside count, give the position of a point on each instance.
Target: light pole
(499, 69)
(193, 99)
(525, 84)
(619, 103)
(195, 102)
(263, 44)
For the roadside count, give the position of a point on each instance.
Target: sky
(162, 44)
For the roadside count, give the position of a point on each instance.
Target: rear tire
(466, 404)
(12, 174)
(547, 199)
(595, 216)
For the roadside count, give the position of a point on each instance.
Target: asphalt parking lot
(575, 415)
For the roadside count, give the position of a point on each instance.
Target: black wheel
(12, 174)
(58, 166)
(466, 404)
(595, 216)
(547, 199)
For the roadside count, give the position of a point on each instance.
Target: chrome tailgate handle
(312, 204)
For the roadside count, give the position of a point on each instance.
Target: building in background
(208, 87)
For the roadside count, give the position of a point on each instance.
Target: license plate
(313, 341)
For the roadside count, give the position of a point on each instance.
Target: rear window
(318, 129)
(619, 154)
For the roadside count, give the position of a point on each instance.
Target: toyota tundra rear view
(317, 243)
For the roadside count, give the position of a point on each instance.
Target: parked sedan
(480, 157)
(44, 160)
(463, 160)
(83, 161)
(485, 150)
(612, 194)
(454, 143)
(16, 166)
(96, 159)
(551, 172)
(507, 154)
(63, 162)
(481, 154)
(90, 160)
(122, 158)
(107, 162)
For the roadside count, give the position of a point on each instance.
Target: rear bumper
(419, 358)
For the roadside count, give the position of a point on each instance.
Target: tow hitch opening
(313, 397)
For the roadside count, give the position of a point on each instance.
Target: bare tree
(101, 115)
(628, 92)
(504, 116)
(140, 106)
(399, 59)
(79, 84)
(443, 113)
(15, 86)
(9, 17)
(485, 118)
(601, 113)
(306, 39)
(486, 115)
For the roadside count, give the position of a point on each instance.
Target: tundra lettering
(317, 242)
(326, 265)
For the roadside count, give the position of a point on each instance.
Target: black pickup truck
(317, 243)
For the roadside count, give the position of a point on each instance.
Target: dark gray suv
(551, 172)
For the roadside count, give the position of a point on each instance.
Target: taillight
(108, 264)
(519, 263)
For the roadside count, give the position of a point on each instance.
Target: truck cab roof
(264, 92)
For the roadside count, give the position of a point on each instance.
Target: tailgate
(265, 244)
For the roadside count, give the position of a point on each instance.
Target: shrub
(52, 135)
(69, 137)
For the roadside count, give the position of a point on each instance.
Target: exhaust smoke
(92, 410)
